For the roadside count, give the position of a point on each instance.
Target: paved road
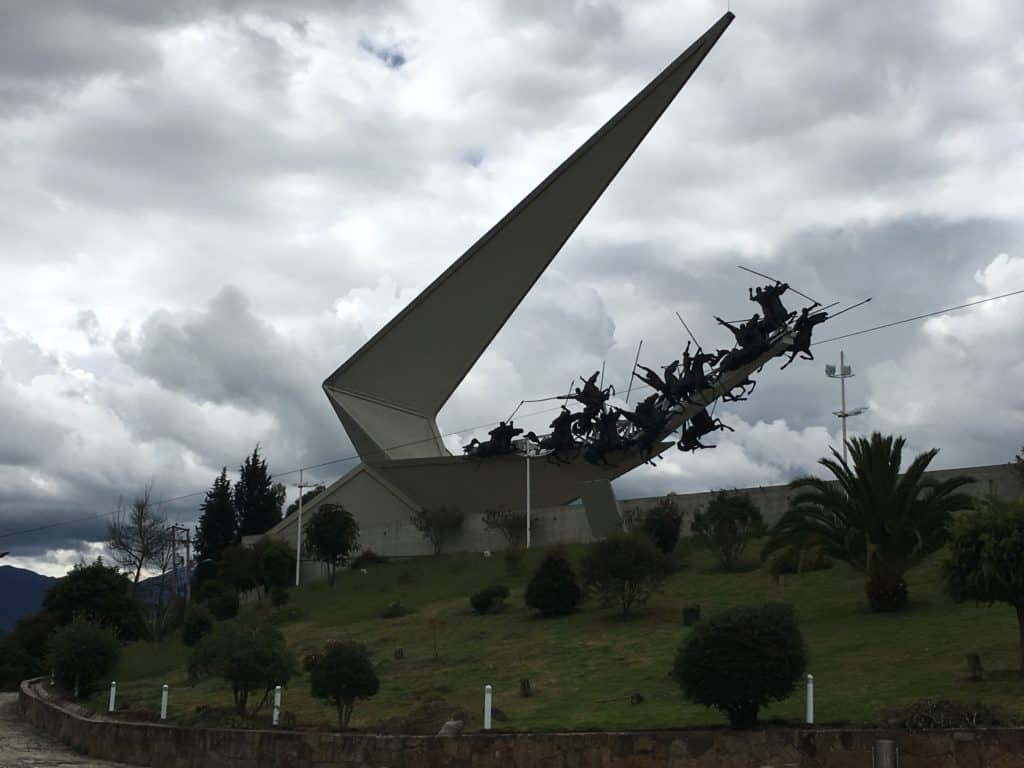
(23, 747)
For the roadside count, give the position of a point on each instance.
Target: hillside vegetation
(584, 667)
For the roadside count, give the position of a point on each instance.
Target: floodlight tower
(845, 372)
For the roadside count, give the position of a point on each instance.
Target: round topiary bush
(741, 659)
(343, 673)
(197, 624)
(553, 589)
(489, 599)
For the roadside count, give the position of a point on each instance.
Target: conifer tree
(258, 500)
(218, 524)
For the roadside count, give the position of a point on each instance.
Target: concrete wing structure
(441, 334)
(388, 394)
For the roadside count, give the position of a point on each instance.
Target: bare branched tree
(137, 536)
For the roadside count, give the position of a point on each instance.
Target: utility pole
(298, 530)
(174, 561)
(175, 529)
(845, 372)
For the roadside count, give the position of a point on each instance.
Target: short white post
(810, 699)
(277, 704)
(113, 695)
(487, 707)
(163, 703)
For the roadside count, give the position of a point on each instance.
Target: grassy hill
(584, 667)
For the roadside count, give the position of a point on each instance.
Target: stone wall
(167, 746)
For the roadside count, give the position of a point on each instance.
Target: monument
(388, 394)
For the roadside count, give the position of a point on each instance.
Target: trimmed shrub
(489, 599)
(197, 625)
(343, 673)
(553, 589)
(395, 611)
(662, 523)
(253, 659)
(625, 570)
(332, 535)
(103, 594)
(741, 659)
(219, 599)
(279, 595)
(81, 654)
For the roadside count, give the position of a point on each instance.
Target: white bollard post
(113, 695)
(487, 707)
(810, 699)
(163, 703)
(277, 704)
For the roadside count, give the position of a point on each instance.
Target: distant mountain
(21, 593)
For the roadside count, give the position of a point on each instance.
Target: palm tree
(871, 516)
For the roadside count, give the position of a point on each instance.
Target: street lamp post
(527, 455)
(845, 372)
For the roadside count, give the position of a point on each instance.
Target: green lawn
(584, 667)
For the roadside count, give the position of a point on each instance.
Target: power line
(353, 457)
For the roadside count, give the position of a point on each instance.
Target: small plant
(365, 558)
(489, 600)
(279, 595)
(251, 658)
(395, 611)
(197, 625)
(514, 560)
(729, 523)
(81, 654)
(794, 560)
(942, 713)
(437, 625)
(553, 589)
(511, 525)
(343, 673)
(437, 524)
(662, 523)
(742, 659)
(625, 569)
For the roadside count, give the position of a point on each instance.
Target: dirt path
(23, 747)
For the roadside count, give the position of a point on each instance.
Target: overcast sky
(206, 207)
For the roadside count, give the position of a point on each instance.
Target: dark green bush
(103, 594)
(198, 623)
(662, 523)
(279, 595)
(742, 659)
(729, 523)
(624, 570)
(240, 567)
(253, 659)
(82, 654)
(342, 673)
(16, 665)
(553, 589)
(276, 563)
(395, 611)
(218, 598)
(489, 599)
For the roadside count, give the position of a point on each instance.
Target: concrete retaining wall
(166, 746)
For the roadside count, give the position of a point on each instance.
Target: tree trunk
(331, 570)
(1020, 634)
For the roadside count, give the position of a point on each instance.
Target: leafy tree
(662, 523)
(16, 664)
(251, 658)
(438, 524)
(198, 624)
(728, 524)
(986, 560)
(102, 594)
(742, 659)
(624, 569)
(258, 500)
(138, 538)
(871, 516)
(553, 589)
(276, 563)
(342, 674)
(82, 653)
(331, 536)
(32, 632)
(219, 599)
(218, 520)
(307, 497)
(511, 525)
(240, 567)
